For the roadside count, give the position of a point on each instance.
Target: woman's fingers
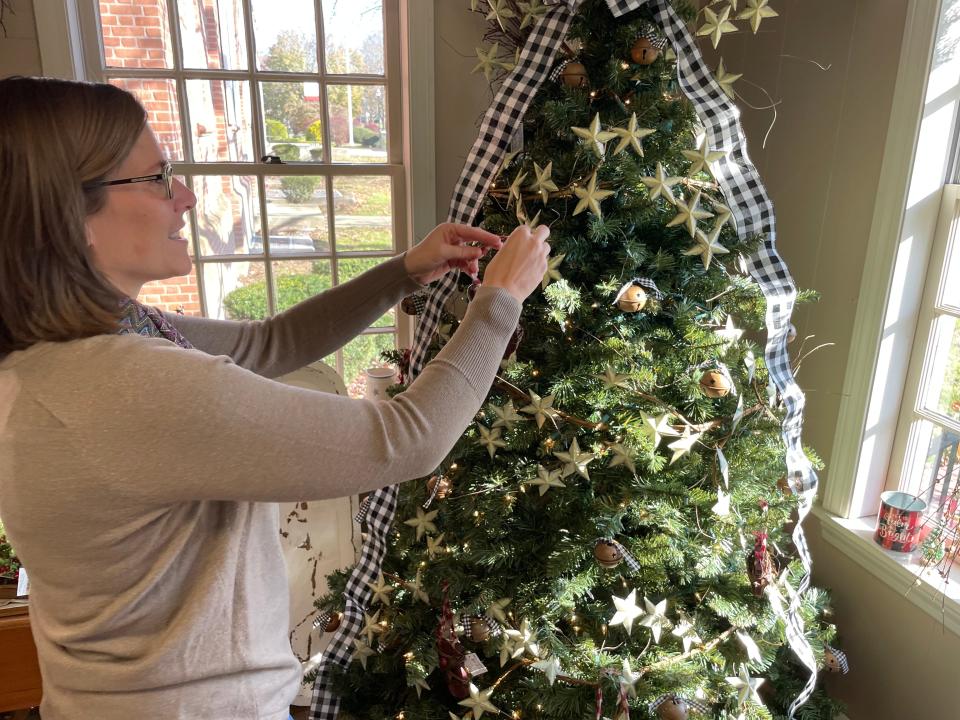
(468, 233)
(461, 252)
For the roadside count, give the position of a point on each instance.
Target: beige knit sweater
(138, 483)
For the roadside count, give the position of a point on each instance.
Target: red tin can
(899, 521)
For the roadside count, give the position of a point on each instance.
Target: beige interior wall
(821, 165)
(19, 52)
(461, 97)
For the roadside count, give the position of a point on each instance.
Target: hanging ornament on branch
(416, 303)
(715, 384)
(835, 661)
(573, 74)
(648, 46)
(451, 653)
(607, 553)
(438, 488)
(673, 707)
(761, 567)
(329, 621)
(631, 298)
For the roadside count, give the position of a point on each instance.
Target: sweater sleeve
(308, 331)
(203, 428)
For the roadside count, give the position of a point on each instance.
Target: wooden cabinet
(19, 670)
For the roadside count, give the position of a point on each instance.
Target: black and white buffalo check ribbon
(628, 557)
(753, 212)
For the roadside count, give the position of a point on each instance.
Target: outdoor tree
(284, 101)
(608, 537)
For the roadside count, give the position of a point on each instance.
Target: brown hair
(55, 136)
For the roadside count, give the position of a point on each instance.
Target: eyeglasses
(165, 175)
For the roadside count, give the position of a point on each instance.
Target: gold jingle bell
(673, 709)
(443, 489)
(835, 661)
(632, 300)
(574, 75)
(714, 384)
(607, 554)
(644, 52)
(479, 630)
(333, 623)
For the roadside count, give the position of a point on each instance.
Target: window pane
(212, 34)
(297, 213)
(362, 213)
(350, 267)
(297, 280)
(159, 99)
(951, 279)
(228, 213)
(293, 121)
(359, 354)
(358, 129)
(932, 470)
(220, 119)
(235, 290)
(136, 35)
(354, 36)
(286, 35)
(943, 368)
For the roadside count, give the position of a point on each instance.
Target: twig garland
(5, 5)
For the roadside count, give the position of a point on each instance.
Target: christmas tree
(600, 540)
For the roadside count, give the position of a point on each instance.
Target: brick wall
(174, 294)
(136, 35)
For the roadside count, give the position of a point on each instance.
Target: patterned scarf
(140, 319)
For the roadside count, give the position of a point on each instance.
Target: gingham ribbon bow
(753, 212)
(627, 556)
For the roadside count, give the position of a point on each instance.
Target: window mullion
(256, 110)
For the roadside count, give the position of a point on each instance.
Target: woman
(137, 476)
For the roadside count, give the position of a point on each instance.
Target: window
(899, 414)
(285, 121)
(899, 409)
(927, 451)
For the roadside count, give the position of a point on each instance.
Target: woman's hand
(446, 248)
(520, 265)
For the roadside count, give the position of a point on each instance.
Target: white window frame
(880, 384)
(64, 25)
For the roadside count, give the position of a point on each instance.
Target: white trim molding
(419, 97)
(58, 36)
(924, 588)
(901, 230)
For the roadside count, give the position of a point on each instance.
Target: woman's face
(137, 236)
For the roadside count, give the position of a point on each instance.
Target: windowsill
(903, 572)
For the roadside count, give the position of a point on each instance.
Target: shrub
(298, 189)
(366, 137)
(314, 133)
(287, 152)
(276, 130)
(338, 126)
(316, 153)
(250, 302)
